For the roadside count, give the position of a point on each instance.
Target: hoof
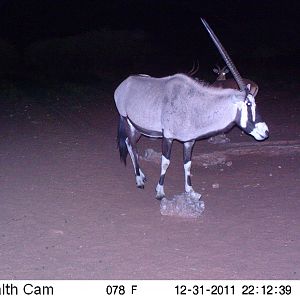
(140, 180)
(141, 186)
(160, 197)
(160, 194)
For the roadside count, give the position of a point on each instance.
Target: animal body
(231, 83)
(180, 108)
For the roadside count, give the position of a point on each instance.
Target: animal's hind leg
(165, 161)
(187, 156)
(131, 141)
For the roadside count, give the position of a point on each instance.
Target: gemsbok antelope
(180, 108)
(231, 83)
(221, 72)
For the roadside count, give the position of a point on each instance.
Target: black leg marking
(189, 181)
(162, 179)
(166, 148)
(187, 152)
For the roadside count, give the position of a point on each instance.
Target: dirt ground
(70, 209)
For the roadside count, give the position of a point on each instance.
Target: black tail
(121, 140)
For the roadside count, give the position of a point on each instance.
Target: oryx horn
(226, 58)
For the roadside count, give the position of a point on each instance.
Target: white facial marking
(260, 132)
(242, 106)
(253, 109)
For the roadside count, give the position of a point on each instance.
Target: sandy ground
(70, 209)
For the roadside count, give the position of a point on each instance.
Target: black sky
(267, 25)
(29, 20)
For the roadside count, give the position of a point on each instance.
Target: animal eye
(248, 103)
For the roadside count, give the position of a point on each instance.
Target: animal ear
(216, 70)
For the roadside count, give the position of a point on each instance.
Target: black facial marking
(249, 112)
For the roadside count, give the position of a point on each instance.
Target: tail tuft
(121, 140)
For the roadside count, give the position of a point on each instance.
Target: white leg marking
(130, 153)
(188, 188)
(187, 172)
(160, 193)
(139, 179)
(142, 175)
(164, 165)
(160, 188)
(253, 110)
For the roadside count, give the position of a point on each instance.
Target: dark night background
(73, 38)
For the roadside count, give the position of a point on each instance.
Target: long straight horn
(226, 57)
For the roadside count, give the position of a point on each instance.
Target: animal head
(221, 72)
(247, 116)
(250, 120)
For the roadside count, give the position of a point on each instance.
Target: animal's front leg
(165, 161)
(187, 158)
